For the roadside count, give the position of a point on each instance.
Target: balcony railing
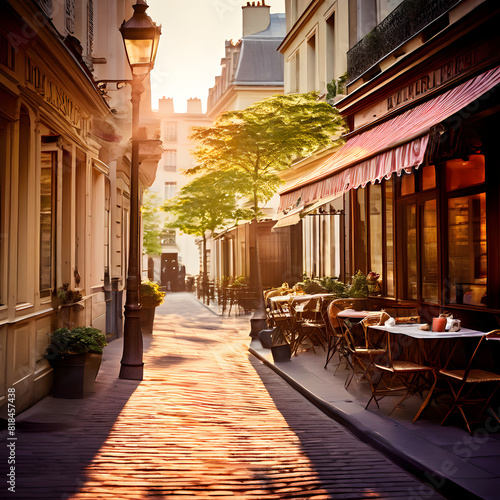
(400, 25)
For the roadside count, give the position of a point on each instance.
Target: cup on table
(438, 324)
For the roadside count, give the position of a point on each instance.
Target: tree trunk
(204, 284)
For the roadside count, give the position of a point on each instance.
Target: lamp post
(140, 36)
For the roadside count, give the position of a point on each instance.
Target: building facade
(252, 69)
(418, 170)
(64, 177)
(180, 254)
(314, 52)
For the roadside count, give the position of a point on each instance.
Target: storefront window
(48, 159)
(389, 238)
(467, 263)
(410, 223)
(429, 252)
(464, 172)
(3, 207)
(407, 184)
(375, 212)
(428, 177)
(360, 243)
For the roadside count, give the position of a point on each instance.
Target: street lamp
(140, 37)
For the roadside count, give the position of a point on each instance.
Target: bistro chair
(334, 335)
(404, 375)
(359, 353)
(466, 385)
(310, 327)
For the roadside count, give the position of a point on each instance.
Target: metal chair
(466, 382)
(360, 353)
(413, 378)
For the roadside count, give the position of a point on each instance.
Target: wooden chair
(405, 375)
(312, 328)
(465, 384)
(359, 352)
(334, 334)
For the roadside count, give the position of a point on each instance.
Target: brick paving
(208, 421)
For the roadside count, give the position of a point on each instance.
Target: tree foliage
(152, 221)
(263, 139)
(206, 203)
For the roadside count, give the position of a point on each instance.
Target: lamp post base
(132, 372)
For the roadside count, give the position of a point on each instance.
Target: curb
(447, 487)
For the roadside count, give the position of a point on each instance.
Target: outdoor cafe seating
(402, 360)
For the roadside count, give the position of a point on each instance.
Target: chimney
(194, 106)
(166, 106)
(256, 17)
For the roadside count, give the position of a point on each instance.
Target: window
(168, 237)
(465, 172)
(360, 234)
(170, 190)
(23, 213)
(70, 16)
(419, 269)
(4, 140)
(430, 275)
(467, 263)
(467, 257)
(389, 238)
(98, 227)
(311, 63)
(330, 48)
(80, 216)
(297, 71)
(170, 164)
(7, 53)
(373, 232)
(90, 27)
(375, 215)
(47, 219)
(410, 252)
(170, 132)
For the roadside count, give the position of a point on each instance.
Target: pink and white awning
(391, 147)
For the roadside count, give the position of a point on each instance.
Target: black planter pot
(75, 374)
(147, 319)
(266, 338)
(281, 353)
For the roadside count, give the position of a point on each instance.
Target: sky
(192, 45)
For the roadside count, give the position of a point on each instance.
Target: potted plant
(150, 297)
(75, 356)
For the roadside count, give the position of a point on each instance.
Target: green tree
(261, 141)
(205, 204)
(152, 223)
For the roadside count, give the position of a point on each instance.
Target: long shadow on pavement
(58, 439)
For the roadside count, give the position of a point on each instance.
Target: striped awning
(391, 147)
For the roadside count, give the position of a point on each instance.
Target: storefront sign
(53, 94)
(434, 79)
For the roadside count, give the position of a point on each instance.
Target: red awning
(392, 146)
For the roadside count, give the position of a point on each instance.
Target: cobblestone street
(208, 421)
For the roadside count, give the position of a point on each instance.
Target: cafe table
(429, 346)
(287, 311)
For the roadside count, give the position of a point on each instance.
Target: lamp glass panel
(139, 51)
